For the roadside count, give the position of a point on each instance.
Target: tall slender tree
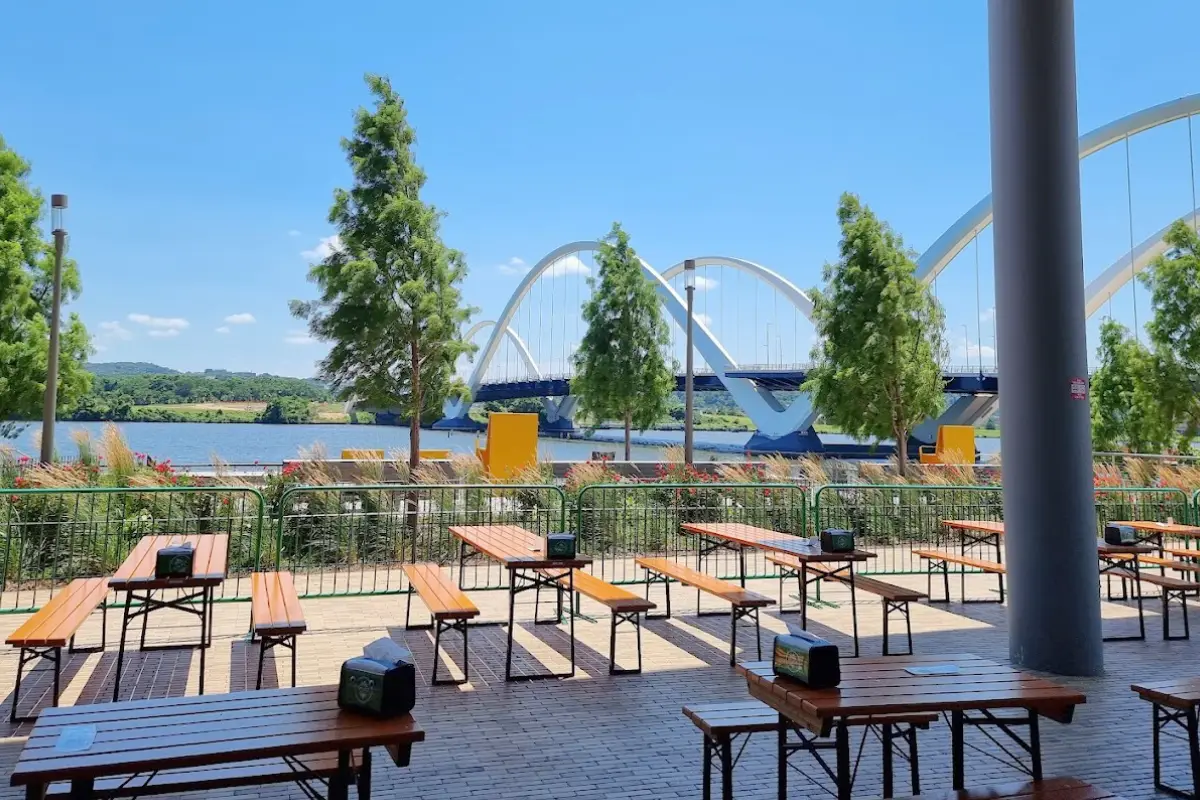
(621, 368)
(880, 346)
(1127, 408)
(26, 284)
(389, 288)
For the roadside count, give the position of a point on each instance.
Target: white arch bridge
(520, 359)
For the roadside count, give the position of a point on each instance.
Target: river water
(195, 443)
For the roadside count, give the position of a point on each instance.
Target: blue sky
(199, 142)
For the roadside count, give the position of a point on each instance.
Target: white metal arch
(522, 348)
(798, 297)
(956, 237)
(1106, 284)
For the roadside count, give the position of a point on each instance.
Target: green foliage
(621, 370)
(877, 370)
(389, 291)
(160, 389)
(1174, 282)
(1125, 403)
(26, 283)
(287, 411)
(127, 368)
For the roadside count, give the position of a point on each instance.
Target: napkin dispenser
(836, 540)
(377, 688)
(174, 561)
(808, 659)
(1120, 535)
(560, 546)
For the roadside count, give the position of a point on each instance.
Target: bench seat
(940, 561)
(275, 616)
(626, 607)
(895, 598)
(53, 627)
(1049, 789)
(743, 603)
(449, 607)
(210, 779)
(1172, 589)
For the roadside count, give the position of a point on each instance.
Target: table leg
(845, 784)
(205, 602)
(339, 782)
(35, 791)
(742, 565)
(706, 771)
(1137, 579)
(1000, 560)
(1035, 746)
(121, 647)
(726, 748)
(853, 609)
(571, 589)
(364, 775)
(512, 607)
(804, 595)
(886, 736)
(783, 756)
(956, 749)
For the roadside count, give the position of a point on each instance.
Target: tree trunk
(902, 452)
(628, 435)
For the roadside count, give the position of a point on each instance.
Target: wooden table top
(873, 686)
(1106, 549)
(978, 526)
(208, 565)
(146, 735)
(514, 547)
(1173, 528)
(1181, 693)
(765, 539)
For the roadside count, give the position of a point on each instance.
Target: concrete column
(1054, 604)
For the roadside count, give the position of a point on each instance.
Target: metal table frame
(147, 603)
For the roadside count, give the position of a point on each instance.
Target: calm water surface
(196, 442)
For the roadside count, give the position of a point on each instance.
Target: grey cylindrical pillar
(1049, 512)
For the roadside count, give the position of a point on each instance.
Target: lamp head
(689, 273)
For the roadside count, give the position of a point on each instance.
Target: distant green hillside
(128, 368)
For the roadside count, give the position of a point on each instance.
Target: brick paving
(599, 736)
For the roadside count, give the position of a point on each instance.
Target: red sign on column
(1079, 388)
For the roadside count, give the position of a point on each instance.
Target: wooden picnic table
(199, 741)
(523, 554)
(1119, 558)
(1149, 530)
(976, 689)
(976, 532)
(1176, 703)
(136, 578)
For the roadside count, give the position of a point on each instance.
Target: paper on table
(75, 738)
(934, 669)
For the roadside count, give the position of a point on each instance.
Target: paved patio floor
(599, 736)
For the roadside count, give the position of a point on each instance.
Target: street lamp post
(689, 284)
(58, 204)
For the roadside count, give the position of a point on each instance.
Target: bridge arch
(522, 348)
(1107, 283)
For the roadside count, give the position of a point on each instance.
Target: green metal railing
(891, 519)
(1141, 503)
(616, 522)
(353, 539)
(48, 537)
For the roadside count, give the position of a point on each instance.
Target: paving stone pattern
(599, 736)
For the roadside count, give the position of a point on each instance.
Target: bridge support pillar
(1049, 512)
(965, 410)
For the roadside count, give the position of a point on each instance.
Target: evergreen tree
(390, 302)
(1125, 403)
(621, 368)
(880, 345)
(26, 290)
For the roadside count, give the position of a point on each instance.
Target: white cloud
(160, 323)
(293, 233)
(298, 337)
(514, 266)
(164, 333)
(324, 248)
(99, 348)
(970, 352)
(568, 265)
(223, 329)
(705, 284)
(703, 319)
(240, 319)
(115, 330)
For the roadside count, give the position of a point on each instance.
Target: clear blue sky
(199, 142)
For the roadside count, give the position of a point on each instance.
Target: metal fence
(352, 539)
(616, 522)
(48, 537)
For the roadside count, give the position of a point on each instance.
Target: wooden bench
(1172, 589)
(742, 603)
(1175, 706)
(1049, 789)
(722, 724)
(53, 627)
(940, 561)
(275, 615)
(449, 607)
(624, 605)
(260, 772)
(895, 598)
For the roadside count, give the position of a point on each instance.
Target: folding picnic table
(976, 532)
(136, 578)
(523, 554)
